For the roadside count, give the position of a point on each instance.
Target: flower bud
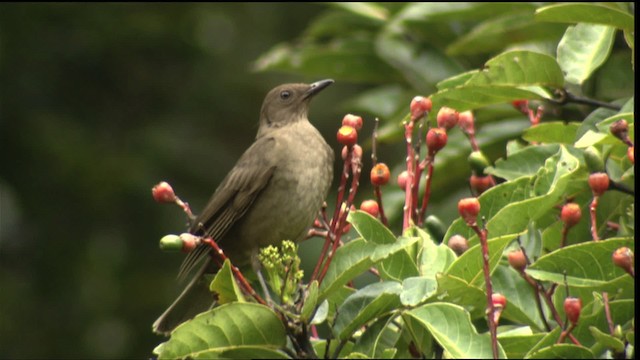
(570, 214)
(599, 183)
(517, 260)
(436, 140)
(458, 243)
(347, 135)
(466, 122)
(624, 258)
(573, 307)
(371, 207)
(419, 107)
(447, 118)
(352, 120)
(403, 178)
(380, 174)
(469, 208)
(163, 193)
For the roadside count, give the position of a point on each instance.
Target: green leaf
(433, 258)
(368, 10)
(417, 289)
(380, 336)
(356, 257)
(562, 351)
(518, 69)
(586, 264)
(610, 342)
(228, 329)
(398, 266)
(225, 285)
(552, 132)
(525, 162)
(470, 97)
(516, 346)
(451, 326)
(364, 305)
(547, 340)
(583, 49)
(310, 301)
(456, 80)
(497, 32)
(522, 307)
(454, 290)
(469, 265)
(585, 13)
(593, 315)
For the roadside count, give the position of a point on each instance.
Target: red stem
(408, 201)
(378, 193)
(236, 273)
(592, 211)
(493, 328)
(427, 190)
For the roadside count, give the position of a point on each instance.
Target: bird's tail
(194, 299)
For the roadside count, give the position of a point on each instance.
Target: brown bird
(273, 193)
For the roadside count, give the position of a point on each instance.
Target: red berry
(469, 208)
(570, 214)
(517, 260)
(347, 135)
(447, 118)
(521, 105)
(163, 193)
(573, 307)
(620, 129)
(419, 107)
(436, 140)
(480, 184)
(630, 155)
(624, 258)
(466, 122)
(403, 178)
(370, 207)
(458, 243)
(357, 152)
(380, 174)
(499, 301)
(599, 183)
(353, 120)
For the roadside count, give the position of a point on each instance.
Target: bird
(274, 192)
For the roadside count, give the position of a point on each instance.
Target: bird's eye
(285, 95)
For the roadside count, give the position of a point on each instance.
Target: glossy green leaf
(456, 80)
(549, 339)
(433, 258)
(585, 13)
(516, 346)
(519, 69)
(552, 132)
(586, 265)
(562, 351)
(310, 301)
(356, 257)
(398, 266)
(498, 32)
(470, 97)
(417, 289)
(469, 265)
(608, 341)
(380, 336)
(525, 162)
(368, 10)
(364, 305)
(521, 304)
(225, 286)
(455, 290)
(583, 49)
(451, 326)
(228, 329)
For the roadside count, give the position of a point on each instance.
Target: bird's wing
(233, 198)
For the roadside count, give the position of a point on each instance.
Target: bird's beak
(316, 87)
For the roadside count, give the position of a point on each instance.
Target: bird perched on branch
(273, 193)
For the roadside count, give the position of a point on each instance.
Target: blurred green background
(98, 103)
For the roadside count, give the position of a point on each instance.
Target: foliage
(429, 301)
